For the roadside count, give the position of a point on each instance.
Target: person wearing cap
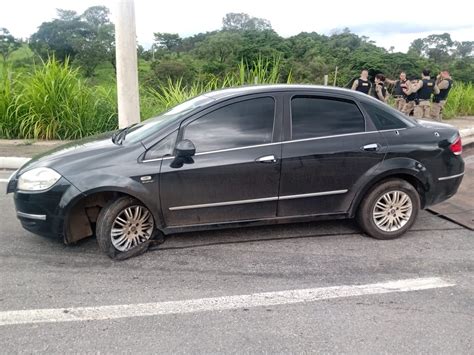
(444, 82)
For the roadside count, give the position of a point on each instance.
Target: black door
(235, 172)
(327, 152)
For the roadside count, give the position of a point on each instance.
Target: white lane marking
(3, 180)
(216, 303)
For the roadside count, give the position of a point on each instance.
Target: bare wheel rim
(133, 226)
(392, 211)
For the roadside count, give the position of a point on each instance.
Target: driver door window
(240, 124)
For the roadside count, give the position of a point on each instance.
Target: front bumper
(44, 212)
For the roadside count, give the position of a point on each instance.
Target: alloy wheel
(133, 226)
(392, 211)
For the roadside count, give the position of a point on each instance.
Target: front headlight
(37, 179)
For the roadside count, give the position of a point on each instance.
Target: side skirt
(252, 223)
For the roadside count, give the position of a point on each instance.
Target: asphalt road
(37, 273)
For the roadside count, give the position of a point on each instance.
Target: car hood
(78, 155)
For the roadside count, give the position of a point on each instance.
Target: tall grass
(10, 105)
(53, 102)
(460, 101)
(260, 71)
(171, 93)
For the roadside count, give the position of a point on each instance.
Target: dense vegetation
(61, 84)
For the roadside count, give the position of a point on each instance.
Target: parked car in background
(241, 157)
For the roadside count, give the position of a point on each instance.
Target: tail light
(456, 146)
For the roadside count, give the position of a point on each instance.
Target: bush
(171, 68)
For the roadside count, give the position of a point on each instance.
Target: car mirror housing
(185, 149)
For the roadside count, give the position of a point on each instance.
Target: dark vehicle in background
(239, 157)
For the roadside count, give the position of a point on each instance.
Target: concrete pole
(127, 66)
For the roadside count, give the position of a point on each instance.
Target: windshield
(153, 125)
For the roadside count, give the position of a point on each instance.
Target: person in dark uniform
(424, 89)
(398, 93)
(379, 91)
(410, 97)
(444, 84)
(362, 84)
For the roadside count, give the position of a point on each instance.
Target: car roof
(257, 89)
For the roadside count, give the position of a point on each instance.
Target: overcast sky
(389, 23)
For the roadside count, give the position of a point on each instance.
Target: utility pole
(127, 67)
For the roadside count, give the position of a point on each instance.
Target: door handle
(373, 147)
(266, 159)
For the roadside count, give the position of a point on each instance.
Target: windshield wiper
(119, 136)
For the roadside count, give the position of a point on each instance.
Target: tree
(169, 41)
(96, 16)
(416, 47)
(242, 22)
(60, 36)
(464, 49)
(66, 15)
(256, 44)
(436, 47)
(101, 47)
(222, 47)
(8, 44)
(87, 39)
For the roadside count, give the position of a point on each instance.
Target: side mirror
(185, 149)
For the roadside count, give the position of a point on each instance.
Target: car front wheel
(389, 209)
(123, 226)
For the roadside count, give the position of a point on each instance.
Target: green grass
(11, 107)
(460, 101)
(53, 102)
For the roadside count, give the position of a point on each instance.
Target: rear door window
(383, 119)
(321, 116)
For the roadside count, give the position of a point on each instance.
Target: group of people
(426, 97)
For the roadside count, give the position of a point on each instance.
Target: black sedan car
(240, 157)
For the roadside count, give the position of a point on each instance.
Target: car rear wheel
(123, 226)
(389, 209)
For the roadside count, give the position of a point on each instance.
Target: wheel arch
(420, 183)
(81, 212)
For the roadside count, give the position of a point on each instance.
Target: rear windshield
(153, 125)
